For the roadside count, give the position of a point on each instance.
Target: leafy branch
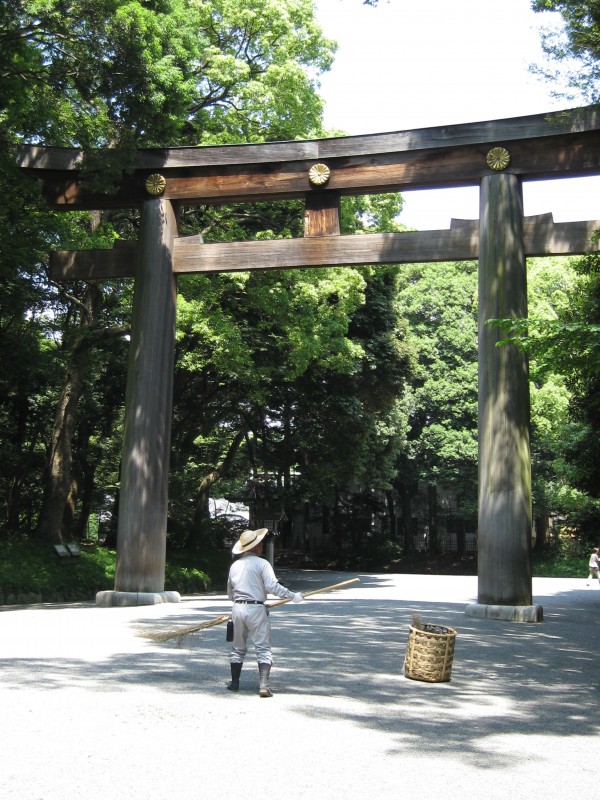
(554, 344)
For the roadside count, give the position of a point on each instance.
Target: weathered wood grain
(322, 214)
(540, 146)
(502, 130)
(504, 462)
(571, 155)
(142, 530)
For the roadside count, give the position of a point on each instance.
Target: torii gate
(494, 155)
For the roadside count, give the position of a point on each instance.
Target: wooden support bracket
(322, 214)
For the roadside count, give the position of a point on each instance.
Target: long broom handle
(314, 591)
(179, 634)
(226, 617)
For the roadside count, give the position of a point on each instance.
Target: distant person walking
(250, 579)
(594, 567)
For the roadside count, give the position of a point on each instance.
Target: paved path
(90, 709)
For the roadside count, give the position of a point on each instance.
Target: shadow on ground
(342, 659)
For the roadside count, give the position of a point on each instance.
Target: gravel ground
(90, 708)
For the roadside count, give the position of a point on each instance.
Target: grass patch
(568, 558)
(31, 572)
(192, 571)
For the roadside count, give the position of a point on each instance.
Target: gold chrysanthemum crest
(156, 184)
(498, 158)
(319, 174)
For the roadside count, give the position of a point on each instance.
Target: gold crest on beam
(319, 174)
(498, 158)
(156, 184)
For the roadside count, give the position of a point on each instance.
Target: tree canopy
(104, 73)
(574, 46)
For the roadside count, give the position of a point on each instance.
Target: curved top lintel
(578, 120)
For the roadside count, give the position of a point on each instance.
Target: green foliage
(365, 401)
(566, 557)
(574, 46)
(561, 338)
(440, 304)
(555, 344)
(28, 568)
(32, 572)
(191, 572)
(290, 359)
(107, 73)
(257, 327)
(118, 74)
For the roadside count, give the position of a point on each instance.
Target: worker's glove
(298, 598)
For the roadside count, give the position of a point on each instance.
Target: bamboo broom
(179, 633)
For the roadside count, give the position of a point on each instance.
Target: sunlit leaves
(574, 46)
(98, 73)
(440, 303)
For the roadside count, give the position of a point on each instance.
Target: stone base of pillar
(110, 598)
(509, 613)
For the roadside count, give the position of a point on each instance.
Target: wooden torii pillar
(141, 536)
(505, 514)
(494, 155)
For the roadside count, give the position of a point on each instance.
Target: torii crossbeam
(494, 155)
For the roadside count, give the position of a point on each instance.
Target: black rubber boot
(236, 671)
(264, 670)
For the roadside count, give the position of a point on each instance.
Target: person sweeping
(250, 579)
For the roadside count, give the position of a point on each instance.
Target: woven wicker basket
(429, 653)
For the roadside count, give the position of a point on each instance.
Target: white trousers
(253, 621)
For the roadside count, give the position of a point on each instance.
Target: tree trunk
(58, 479)
(58, 471)
(541, 530)
(389, 496)
(13, 505)
(407, 528)
(337, 533)
(256, 489)
(87, 472)
(460, 536)
(306, 529)
(68, 523)
(220, 471)
(287, 510)
(326, 522)
(355, 536)
(265, 466)
(14, 499)
(434, 539)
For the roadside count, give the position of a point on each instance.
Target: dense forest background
(342, 393)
